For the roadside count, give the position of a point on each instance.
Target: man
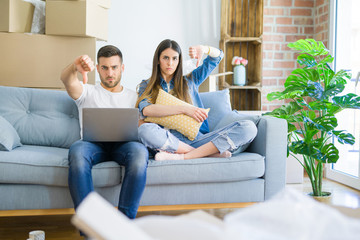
(84, 155)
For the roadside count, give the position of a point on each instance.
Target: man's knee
(139, 156)
(78, 160)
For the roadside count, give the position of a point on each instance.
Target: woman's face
(169, 60)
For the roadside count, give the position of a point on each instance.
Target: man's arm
(82, 64)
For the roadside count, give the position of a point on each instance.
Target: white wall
(136, 27)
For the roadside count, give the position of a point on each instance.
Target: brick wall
(287, 21)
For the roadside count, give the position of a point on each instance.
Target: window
(345, 47)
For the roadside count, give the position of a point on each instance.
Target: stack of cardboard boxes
(36, 60)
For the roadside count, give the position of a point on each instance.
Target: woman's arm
(157, 110)
(198, 51)
(202, 72)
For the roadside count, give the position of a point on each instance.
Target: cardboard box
(76, 18)
(16, 16)
(36, 60)
(102, 3)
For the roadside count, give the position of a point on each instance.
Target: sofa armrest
(271, 142)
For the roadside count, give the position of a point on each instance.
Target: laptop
(110, 124)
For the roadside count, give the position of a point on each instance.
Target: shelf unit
(241, 35)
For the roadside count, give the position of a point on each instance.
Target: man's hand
(199, 114)
(83, 65)
(197, 52)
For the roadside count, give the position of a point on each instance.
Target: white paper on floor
(289, 215)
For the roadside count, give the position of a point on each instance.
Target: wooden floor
(58, 227)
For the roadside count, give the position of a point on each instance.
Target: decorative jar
(239, 76)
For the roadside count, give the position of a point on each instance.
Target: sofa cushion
(219, 102)
(182, 123)
(41, 117)
(49, 166)
(9, 139)
(243, 166)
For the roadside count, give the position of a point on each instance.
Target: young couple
(167, 75)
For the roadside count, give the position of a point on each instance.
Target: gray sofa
(33, 173)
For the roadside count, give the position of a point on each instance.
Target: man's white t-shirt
(95, 96)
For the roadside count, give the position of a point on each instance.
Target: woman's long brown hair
(180, 90)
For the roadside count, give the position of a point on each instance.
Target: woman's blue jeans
(133, 156)
(234, 137)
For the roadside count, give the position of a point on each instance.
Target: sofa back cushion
(219, 103)
(9, 138)
(41, 117)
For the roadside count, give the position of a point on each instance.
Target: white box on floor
(36, 60)
(76, 18)
(15, 16)
(294, 170)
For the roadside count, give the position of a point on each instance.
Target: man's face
(110, 70)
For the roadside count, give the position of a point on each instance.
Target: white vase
(239, 75)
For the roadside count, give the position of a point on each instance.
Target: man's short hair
(109, 51)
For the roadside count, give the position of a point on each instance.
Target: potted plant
(312, 96)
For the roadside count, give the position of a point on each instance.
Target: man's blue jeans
(132, 155)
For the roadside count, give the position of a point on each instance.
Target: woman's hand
(197, 52)
(199, 114)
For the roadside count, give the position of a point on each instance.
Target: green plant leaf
(291, 127)
(344, 137)
(274, 96)
(327, 59)
(301, 147)
(310, 135)
(330, 153)
(309, 46)
(307, 60)
(326, 123)
(294, 80)
(315, 90)
(349, 100)
(305, 74)
(341, 77)
(326, 74)
(333, 90)
(285, 111)
(315, 105)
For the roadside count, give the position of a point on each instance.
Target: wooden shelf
(246, 87)
(242, 35)
(255, 40)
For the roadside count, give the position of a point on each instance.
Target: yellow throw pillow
(182, 123)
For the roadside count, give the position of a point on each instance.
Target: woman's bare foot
(225, 154)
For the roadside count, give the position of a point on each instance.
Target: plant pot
(326, 198)
(239, 75)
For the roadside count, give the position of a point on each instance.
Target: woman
(167, 74)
